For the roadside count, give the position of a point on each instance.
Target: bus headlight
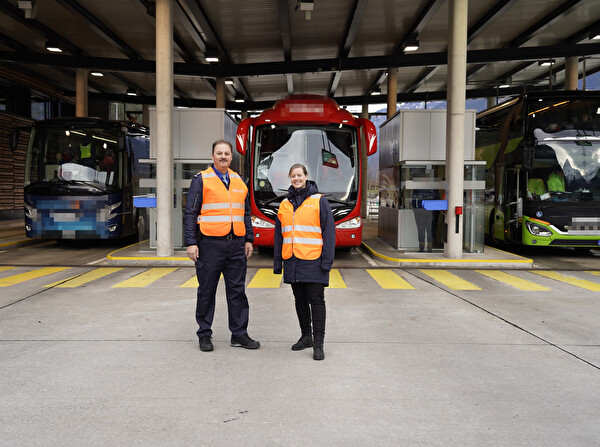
(29, 210)
(261, 223)
(537, 229)
(111, 210)
(350, 224)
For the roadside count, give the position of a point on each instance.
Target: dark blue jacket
(302, 270)
(193, 204)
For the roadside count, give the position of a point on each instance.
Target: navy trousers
(218, 256)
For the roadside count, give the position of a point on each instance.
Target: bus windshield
(566, 161)
(74, 154)
(330, 154)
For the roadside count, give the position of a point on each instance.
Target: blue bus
(81, 175)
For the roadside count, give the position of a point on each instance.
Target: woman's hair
(298, 165)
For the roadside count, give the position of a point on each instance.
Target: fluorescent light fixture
(546, 63)
(211, 56)
(239, 98)
(410, 45)
(376, 91)
(228, 81)
(131, 92)
(97, 74)
(53, 47)
(595, 35)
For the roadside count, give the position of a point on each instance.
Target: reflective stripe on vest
(216, 216)
(301, 229)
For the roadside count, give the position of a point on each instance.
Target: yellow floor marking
(21, 277)
(147, 277)
(3, 269)
(265, 279)
(584, 284)
(593, 272)
(76, 281)
(512, 280)
(191, 283)
(388, 279)
(450, 280)
(335, 280)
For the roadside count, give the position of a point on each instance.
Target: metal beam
(488, 18)
(316, 65)
(286, 39)
(351, 30)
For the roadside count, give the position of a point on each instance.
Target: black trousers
(310, 305)
(218, 256)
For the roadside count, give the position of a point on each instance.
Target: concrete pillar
(363, 167)
(455, 124)
(145, 115)
(164, 127)
(81, 92)
(571, 73)
(491, 102)
(392, 91)
(220, 88)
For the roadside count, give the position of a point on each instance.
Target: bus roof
(300, 109)
(90, 122)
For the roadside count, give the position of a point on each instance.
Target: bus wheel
(142, 225)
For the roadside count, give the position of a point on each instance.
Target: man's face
(222, 157)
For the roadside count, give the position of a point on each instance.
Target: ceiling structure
(271, 48)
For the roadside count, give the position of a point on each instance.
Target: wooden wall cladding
(12, 164)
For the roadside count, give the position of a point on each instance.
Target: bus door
(514, 204)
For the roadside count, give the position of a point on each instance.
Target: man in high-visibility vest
(219, 236)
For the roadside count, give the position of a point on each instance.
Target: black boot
(304, 342)
(318, 317)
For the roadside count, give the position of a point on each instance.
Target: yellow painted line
(450, 280)
(146, 278)
(3, 269)
(593, 272)
(512, 280)
(76, 281)
(265, 279)
(335, 280)
(584, 284)
(113, 257)
(22, 277)
(388, 279)
(447, 260)
(191, 283)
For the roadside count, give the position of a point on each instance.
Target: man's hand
(248, 249)
(192, 252)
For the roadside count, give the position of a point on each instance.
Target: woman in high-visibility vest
(305, 245)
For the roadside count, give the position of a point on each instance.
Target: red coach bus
(328, 140)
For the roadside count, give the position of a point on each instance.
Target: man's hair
(298, 165)
(221, 141)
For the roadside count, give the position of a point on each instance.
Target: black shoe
(244, 341)
(304, 342)
(318, 353)
(205, 343)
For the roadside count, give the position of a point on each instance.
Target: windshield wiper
(273, 199)
(332, 199)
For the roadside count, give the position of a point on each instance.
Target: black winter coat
(301, 270)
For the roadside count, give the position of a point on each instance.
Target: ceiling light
(229, 81)
(376, 91)
(410, 45)
(546, 63)
(131, 92)
(97, 74)
(53, 47)
(211, 56)
(239, 98)
(307, 6)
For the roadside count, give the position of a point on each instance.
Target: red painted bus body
(328, 140)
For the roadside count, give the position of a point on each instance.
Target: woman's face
(298, 178)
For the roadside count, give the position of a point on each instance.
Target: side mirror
(370, 134)
(14, 139)
(241, 137)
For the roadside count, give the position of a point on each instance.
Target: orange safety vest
(301, 229)
(216, 216)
